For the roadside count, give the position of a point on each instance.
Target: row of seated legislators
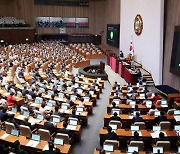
(56, 103)
(11, 22)
(139, 121)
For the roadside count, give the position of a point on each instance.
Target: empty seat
(44, 134)
(165, 125)
(25, 131)
(164, 144)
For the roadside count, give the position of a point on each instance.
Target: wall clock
(138, 24)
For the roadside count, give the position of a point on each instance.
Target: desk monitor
(14, 110)
(69, 89)
(113, 126)
(59, 87)
(109, 148)
(56, 120)
(177, 127)
(177, 112)
(73, 122)
(49, 104)
(37, 101)
(61, 95)
(148, 103)
(58, 141)
(134, 128)
(157, 113)
(86, 99)
(14, 132)
(50, 93)
(163, 102)
(91, 92)
(79, 91)
(26, 113)
(156, 128)
(40, 117)
(179, 149)
(79, 109)
(132, 149)
(64, 107)
(73, 97)
(158, 150)
(35, 137)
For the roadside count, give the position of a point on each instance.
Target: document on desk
(32, 121)
(21, 117)
(32, 143)
(177, 118)
(70, 127)
(34, 105)
(156, 134)
(4, 136)
(46, 147)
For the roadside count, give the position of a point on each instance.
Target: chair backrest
(115, 122)
(149, 94)
(44, 134)
(9, 126)
(115, 143)
(171, 111)
(65, 137)
(164, 144)
(141, 125)
(25, 131)
(139, 144)
(165, 125)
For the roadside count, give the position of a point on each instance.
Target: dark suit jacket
(24, 92)
(115, 118)
(26, 123)
(161, 118)
(110, 136)
(65, 131)
(49, 126)
(33, 95)
(14, 122)
(3, 116)
(74, 116)
(137, 119)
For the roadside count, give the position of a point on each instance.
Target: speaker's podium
(102, 66)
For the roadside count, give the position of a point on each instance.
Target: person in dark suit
(115, 117)
(25, 91)
(64, 130)
(52, 149)
(32, 93)
(137, 118)
(135, 137)
(162, 117)
(116, 96)
(161, 138)
(49, 126)
(110, 135)
(17, 149)
(12, 120)
(56, 111)
(73, 115)
(3, 114)
(26, 123)
(55, 89)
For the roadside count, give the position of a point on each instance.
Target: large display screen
(113, 34)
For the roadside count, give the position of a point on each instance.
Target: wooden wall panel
(173, 19)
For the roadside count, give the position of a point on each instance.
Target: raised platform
(166, 90)
(97, 72)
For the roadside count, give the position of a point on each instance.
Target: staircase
(148, 77)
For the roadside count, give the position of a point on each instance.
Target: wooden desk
(10, 139)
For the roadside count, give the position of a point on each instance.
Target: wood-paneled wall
(173, 19)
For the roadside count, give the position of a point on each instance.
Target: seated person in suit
(26, 123)
(115, 117)
(49, 126)
(69, 101)
(3, 114)
(16, 148)
(162, 117)
(136, 108)
(153, 108)
(25, 91)
(12, 120)
(116, 96)
(114, 106)
(32, 93)
(161, 138)
(64, 130)
(55, 89)
(73, 115)
(110, 135)
(137, 118)
(135, 137)
(156, 98)
(52, 149)
(56, 110)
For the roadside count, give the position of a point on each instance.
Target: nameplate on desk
(32, 143)
(70, 127)
(4, 136)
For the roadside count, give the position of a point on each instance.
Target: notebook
(58, 141)
(109, 148)
(157, 150)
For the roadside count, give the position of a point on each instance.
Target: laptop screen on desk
(73, 122)
(132, 149)
(14, 110)
(156, 128)
(26, 114)
(178, 149)
(14, 132)
(37, 101)
(134, 128)
(40, 117)
(177, 112)
(49, 104)
(64, 107)
(79, 109)
(58, 141)
(157, 150)
(177, 127)
(56, 120)
(157, 113)
(109, 148)
(35, 137)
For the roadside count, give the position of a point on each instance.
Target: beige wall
(173, 19)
